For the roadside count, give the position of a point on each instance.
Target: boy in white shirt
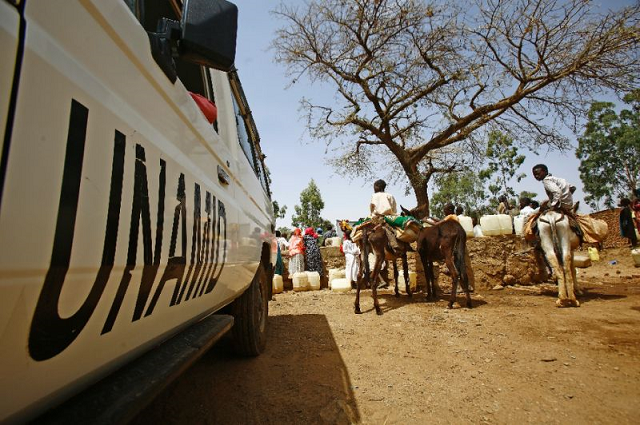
(384, 204)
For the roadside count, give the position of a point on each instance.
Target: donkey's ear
(404, 210)
(575, 207)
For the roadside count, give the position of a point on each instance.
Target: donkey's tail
(459, 252)
(556, 242)
(555, 239)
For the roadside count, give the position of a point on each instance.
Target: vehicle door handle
(223, 177)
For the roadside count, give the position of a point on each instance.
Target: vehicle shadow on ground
(300, 378)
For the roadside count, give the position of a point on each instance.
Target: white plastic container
(314, 280)
(335, 241)
(506, 224)
(340, 285)
(336, 274)
(518, 224)
(490, 225)
(413, 281)
(278, 284)
(467, 224)
(300, 282)
(635, 253)
(581, 260)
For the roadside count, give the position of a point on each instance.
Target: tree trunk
(419, 183)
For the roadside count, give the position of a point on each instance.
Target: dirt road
(513, 358)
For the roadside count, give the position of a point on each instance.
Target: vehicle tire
(250, 313)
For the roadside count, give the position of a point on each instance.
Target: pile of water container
(499, 224)
(310, 281)
(493, 225)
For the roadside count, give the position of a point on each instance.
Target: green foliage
(503, 162)
(311, 204)
(530, 195)
(278, 211)
(284, 230)
(478, 193)
(609, 152)
(464, 188)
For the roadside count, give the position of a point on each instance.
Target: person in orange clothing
(296, 253)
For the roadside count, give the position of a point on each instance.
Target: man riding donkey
(560, 194)
(557, 252)
(383, 206)
(377, 234)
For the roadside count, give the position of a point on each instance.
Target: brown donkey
(445, 240)
(374, 239)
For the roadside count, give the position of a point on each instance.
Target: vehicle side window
(243, 136)
(247, 132)
(194, 77)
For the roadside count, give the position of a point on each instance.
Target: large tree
(413, 77)
(609, 152)
(311, 205)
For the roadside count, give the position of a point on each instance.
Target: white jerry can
(340, 285)
(278, 284)
(300, 282)
(467, 225)
(490, 225)
(335, 274)
(314, 280)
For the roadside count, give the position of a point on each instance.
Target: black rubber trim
(11, 112)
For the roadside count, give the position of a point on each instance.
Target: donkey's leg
(395, 278)
(576, 287)
(454, 277)
(374, 287)
(359, 283)
(428, 273)
(405, 272)
(433, 285)
(464, 282)
(559, 273)
(570, 278)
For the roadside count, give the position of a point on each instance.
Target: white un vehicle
(135, 225)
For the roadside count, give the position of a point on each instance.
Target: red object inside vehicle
(207, 107)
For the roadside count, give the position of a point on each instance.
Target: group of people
(527, 206)
(303, 250)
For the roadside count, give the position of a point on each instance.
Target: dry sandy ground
(513, 358)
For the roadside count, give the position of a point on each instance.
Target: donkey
(558, 242)
(445, 240)
(374, 239)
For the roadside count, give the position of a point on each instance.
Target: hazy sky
(294, 159)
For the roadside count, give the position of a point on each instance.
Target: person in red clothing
(635, 206)
(296, 253)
